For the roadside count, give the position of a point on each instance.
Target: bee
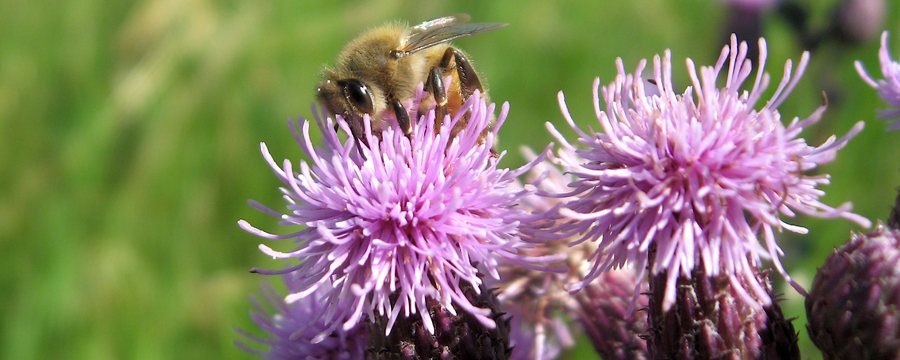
(379, 71)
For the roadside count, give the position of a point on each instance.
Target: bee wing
(441, 30)
(439, 22)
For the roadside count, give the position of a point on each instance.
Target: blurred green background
(130, 130)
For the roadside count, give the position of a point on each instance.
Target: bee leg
(435, 84)
(468, 83)
(402, 117)
(468, 79)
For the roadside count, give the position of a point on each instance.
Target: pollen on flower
(698, 174)
(399, 221)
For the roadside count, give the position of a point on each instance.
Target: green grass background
(130, 130)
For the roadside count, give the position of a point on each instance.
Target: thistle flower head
(537, 302)
(538, 306)
(700, 174)
(402, 220)
(889, 87)
(546, 318)
(292, 327)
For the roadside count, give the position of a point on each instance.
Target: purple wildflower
(293, 326)
(538, 305)
(698, 175)
(390, 225)
(889, 87)
(536, 300)
(546, 318)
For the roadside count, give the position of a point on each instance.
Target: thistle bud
(853, 303)
(603, 312)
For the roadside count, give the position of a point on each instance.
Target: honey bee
(379, 71)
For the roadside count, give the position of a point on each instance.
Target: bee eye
(358, 94)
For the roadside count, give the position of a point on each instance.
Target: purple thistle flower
(390, 225)
(698, 174)
(540, 307)
(889, 87)
(536, 301)
(293, 326)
